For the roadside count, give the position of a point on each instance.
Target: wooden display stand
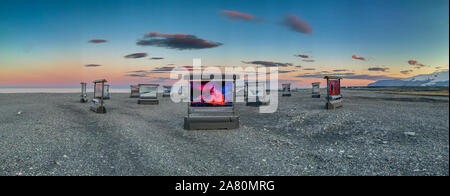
(286, 89)
(203, 115)
(334, 97)
(106, 95)
(99, 90)
(167, 90)
(254, 96)
(148, 94)
(316, 90)
(84, 98)
(134, 91)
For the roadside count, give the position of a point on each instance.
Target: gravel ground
(373, 134)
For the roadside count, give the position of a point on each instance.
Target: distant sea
(54, 90)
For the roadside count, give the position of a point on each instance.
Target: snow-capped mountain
(434, 79)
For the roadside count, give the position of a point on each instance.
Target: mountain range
(434, 79)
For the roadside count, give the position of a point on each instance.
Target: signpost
(316, 90)
(134, 91)
(334, 97)
(286, 89)
(99, 92)
(84, 98)
(212, 103)
(148, 94)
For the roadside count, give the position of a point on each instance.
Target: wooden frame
(83, 95)
(286, 89)
(211, 120)
(144, 99)
(98, 101)
(334, 100)
(315, 90)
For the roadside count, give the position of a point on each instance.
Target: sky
(61, 43)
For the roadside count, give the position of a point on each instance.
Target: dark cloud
(412, 62)
(309, 69)
(419, 65)
(382, 69)
(97, 41)
(137, 75)
(176, 41)
(268, 63)
(136, 55)
(298, 66)
(406, 71)
(285, 71)
(235, 15)
(92, 65)
(168, 35)
(308, 61)
(340, 70)
(156, 58)
(162, 69)
(358, 58)
(348, 76)
(302, 56)
(297, 24)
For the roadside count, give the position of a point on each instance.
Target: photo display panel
(208, 93)
(134, 89)
(148, 91)
(106, 93)
(167, 89)
(316, 88)
(334, 87)
(98, 90)
(83, 88)
(286, 88)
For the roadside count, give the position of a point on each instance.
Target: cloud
(136, 55)
(235, 15)
(285, 71)
(92, 65)
(348, 76)
(412, 62)
(297, 24)
(358, 58)
(268, 63)
(406, 71)
(309, 69)
(340, 70)
(162, 69)
(136, 75)
(308, 61)
(382, 69)
(298, 66)
(302, 56)
(97, 41)
(168, 35)
(156, 58)
(419, 65)
(176, 41)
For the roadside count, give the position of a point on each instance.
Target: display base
(148, 101)
(315, 96)
(211, 122)
(98, 109)
(83, 100)
(134, 96)
(165, 95)
(286, 95)
(331, 105)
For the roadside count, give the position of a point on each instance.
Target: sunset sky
(61, 43)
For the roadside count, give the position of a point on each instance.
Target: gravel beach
(373, 134)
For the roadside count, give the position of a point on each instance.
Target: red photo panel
(334, 87)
